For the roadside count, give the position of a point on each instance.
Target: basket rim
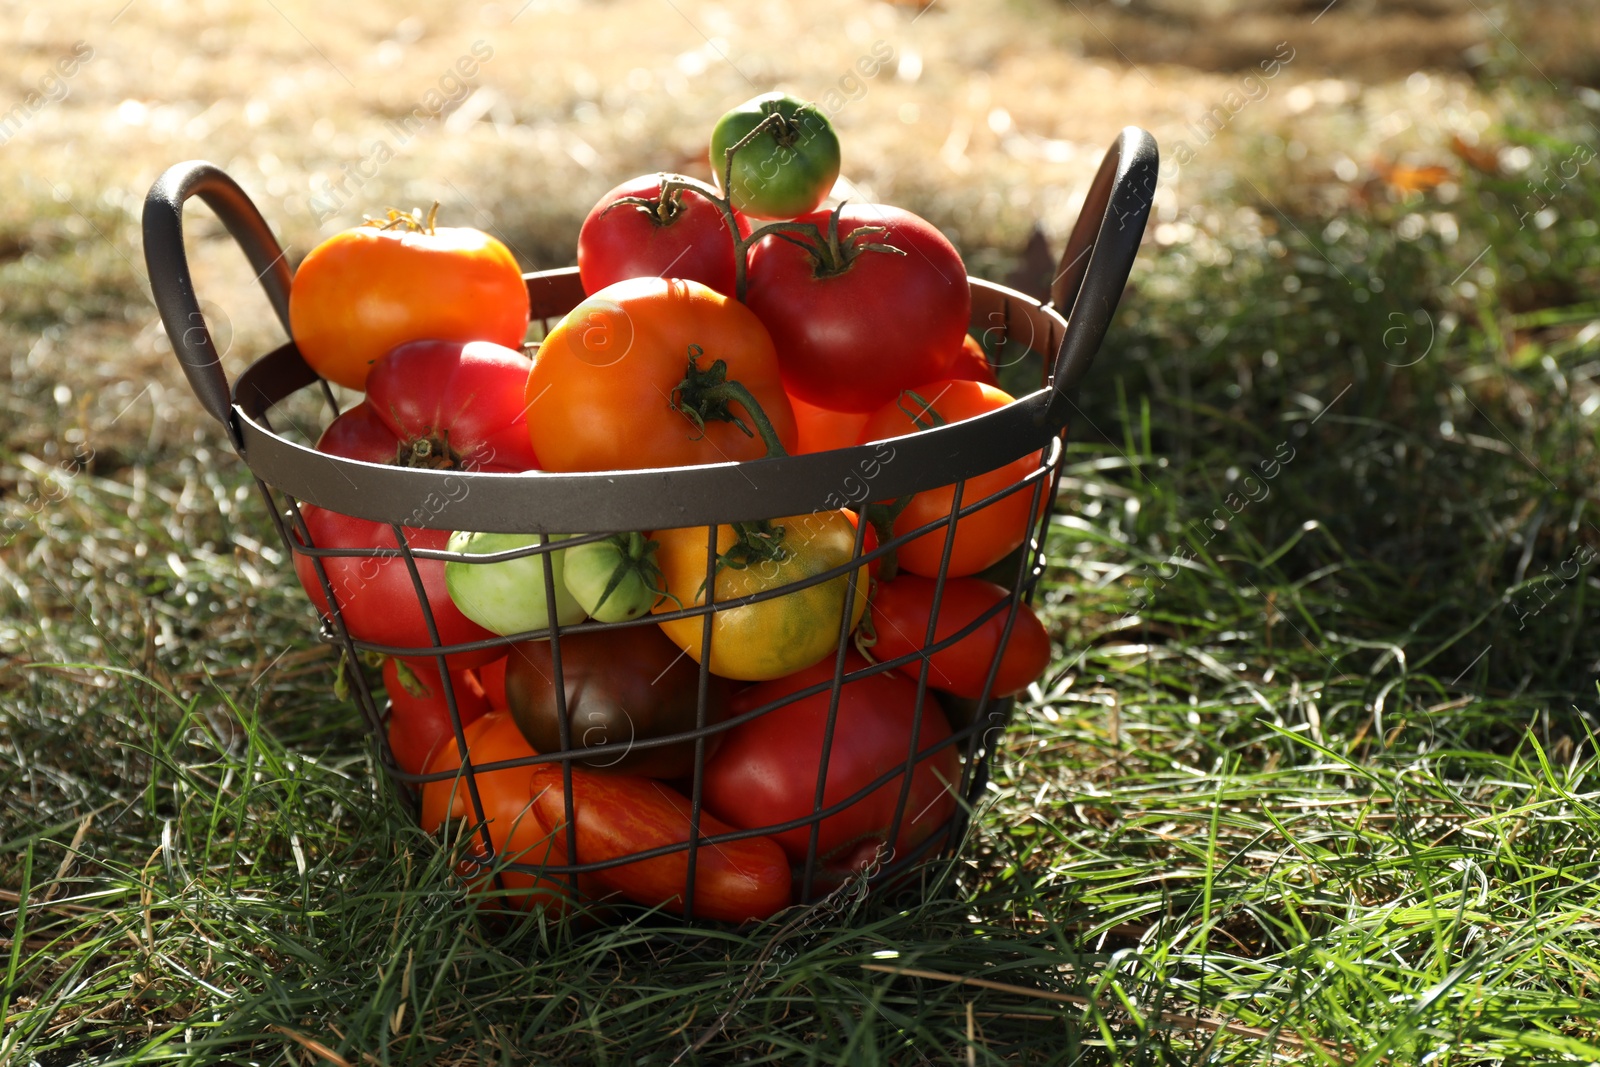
(548, 502)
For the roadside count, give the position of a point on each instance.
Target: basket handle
(1099, 255)
(173, 288)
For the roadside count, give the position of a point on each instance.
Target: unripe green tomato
(785, 171)
(507, 597)
(590, 568)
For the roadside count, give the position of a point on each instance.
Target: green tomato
(507, 597)
(787, 170)
(615, 579)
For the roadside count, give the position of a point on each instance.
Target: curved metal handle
(173, 288)
(1099, 255)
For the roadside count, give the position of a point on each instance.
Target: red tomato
(851, 335)
(362, 292)
(435, 404)
(766, 771)
(821, 429)
(492, 676)
(442, 405)
(687, 237)
(515, 830)
(419, 713)
(605, 382)
(900, 611)
(617, 814)
(375, 594)
(983, 537)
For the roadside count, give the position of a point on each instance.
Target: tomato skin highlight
(983, 537)
(769, 638)
(622, 241)
(361, 293)
(617, 814)
(419, 722)
(900, 611)
(599, 395)
(850, 341)
(766, 771)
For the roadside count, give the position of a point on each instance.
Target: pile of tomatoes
(727, 321)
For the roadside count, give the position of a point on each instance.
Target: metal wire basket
(1065, 332)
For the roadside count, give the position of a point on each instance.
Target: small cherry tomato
(900, 610)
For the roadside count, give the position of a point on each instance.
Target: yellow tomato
(769, 638)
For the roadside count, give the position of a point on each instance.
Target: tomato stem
(707, 393)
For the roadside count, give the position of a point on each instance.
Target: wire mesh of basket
(1063, 335)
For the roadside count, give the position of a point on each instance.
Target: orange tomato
(515, 830)
(983, 537)
(605, 381)
(365, 291)
(822, 430)
(969, 362)
(621, 813)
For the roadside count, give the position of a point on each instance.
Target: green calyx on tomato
(778, 157)
(706, 393)
(508, 596)
(829, 254)
(616, 579)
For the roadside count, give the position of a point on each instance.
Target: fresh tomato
(440, 405)
(855, 324)
(376, 597)
(613, 580)
(821, 429)
(984, 536)
(969, 362)
(492, 676)
(621, 687)
(365, 291)
(617, 814)
(633, 232)
(766, 771)
(419, 711)
(768, 638)
(508, 596)
(656, 372)
(900, 611)
(434, 404)
(787, 169)
(514, 828)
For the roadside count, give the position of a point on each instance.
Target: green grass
(1314, 777)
